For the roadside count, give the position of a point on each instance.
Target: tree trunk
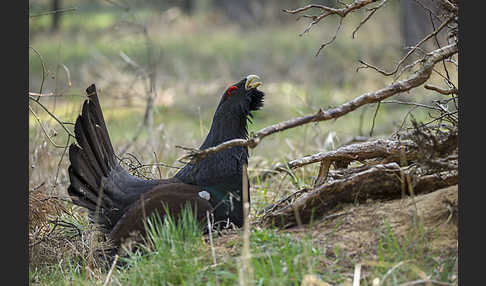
(56, 17)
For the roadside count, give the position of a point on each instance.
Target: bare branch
(53, 116)
(329, 10)
(60, 93)
(373, 10)
(440, 90)
(427, 9)
(199, 154)
(355, 152)
(420, 77)
(374, 118)
(411, 103)
(44, 130)
(54, 12)
(43, 67)
(411, 51)
(44, 94)
(333, 38)
(425, 282)
(326, 11)
(121, 6)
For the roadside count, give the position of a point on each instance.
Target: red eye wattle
(231, 89)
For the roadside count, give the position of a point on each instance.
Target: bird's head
(243, 97)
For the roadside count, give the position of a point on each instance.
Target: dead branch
(333, 37)
(380, 148)
(44, 72)
(410, 52)
(59, 93)
(323, 171)
(53, 12)
(441, 90)
(417, 79)
(372, 11)
(43, 67)
(44, 94)
(374, 118)
(423, 161)
(429, 164)
(412, 103)
(327, 11)
(52, 115)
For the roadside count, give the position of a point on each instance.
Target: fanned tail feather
(98, 182)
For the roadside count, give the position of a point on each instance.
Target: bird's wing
(170, 197)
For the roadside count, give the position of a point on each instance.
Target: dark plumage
(118, 201)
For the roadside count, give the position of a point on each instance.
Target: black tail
(98, 182)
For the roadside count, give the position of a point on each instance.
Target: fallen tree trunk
(420, 163)
(378, 182)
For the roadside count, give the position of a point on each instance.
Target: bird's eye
(230, 90)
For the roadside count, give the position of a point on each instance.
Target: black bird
(118, 201)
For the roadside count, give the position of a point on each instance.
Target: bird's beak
(252, 81)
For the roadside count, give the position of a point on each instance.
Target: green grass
(406, 258)
(176, 252)
(173, 253)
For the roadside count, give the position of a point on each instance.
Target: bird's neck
(223, 166)
(225, 127)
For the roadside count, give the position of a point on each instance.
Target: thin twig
(422, 281)
(44, 130)
(330, 11)
(60, 160)
(439, 118)
(43, 68)
(327, 11)
(153, 164)
(52, 115)
(246, 271)
(374, 118)
(391, 270)
(158, 166)
(44, 94)
(110, 273)
(333, 38)
(210, 228)
(431, 13)
(410, 52)
(54, 12)
(373, 10)
(410, 103)
(437, 43)
(440, 90)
